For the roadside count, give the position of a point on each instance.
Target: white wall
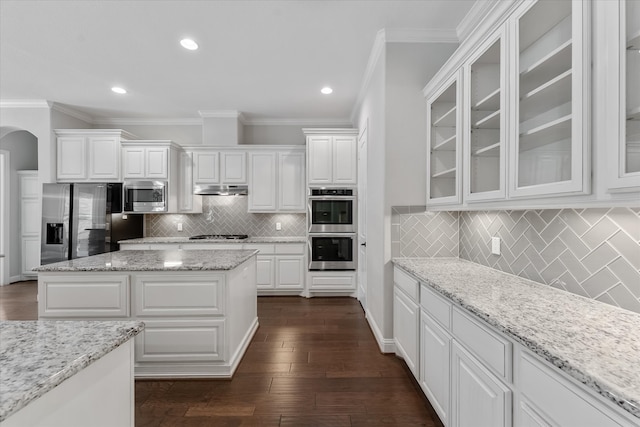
(395, 108)
(23, 149)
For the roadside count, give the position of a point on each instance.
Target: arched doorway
(18, 152)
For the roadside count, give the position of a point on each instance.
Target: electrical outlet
(179, 226)
(125, 216)
(495, 245)
(278, 226)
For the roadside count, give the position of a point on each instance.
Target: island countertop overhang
(156, 260)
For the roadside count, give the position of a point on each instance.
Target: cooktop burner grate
(219, 237)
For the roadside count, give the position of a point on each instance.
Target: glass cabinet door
(484, 154)
(550, 154)
(444, 141)
(631, 8)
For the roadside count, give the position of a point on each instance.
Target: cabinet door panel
(291, 182)
(30, 216)
(435, 351)
(290, 272)
(156, 163)
(30, 255)
(262, 191)
(104, 158)
(207, 168)
(133, 162)
(406, 318)
(345, 160)
(265, 272)
(479, 398)
(72, 158)
(320, 157)
(233, 167)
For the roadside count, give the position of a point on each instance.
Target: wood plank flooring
(313, 362)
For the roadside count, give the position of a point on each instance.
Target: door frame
(362, 210)
(5, 201)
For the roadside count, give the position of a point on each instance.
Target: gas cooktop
(219, 237)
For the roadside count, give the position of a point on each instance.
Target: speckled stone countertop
(596, 343)
(37, 356)
(144, 260)
(272, 239)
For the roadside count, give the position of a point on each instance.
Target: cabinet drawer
(290, 248)
(181, 341)
(492, 349)
(405, 282)
(436, 306)
(264, 249)
(68, 296)
(198, 295)
(556, 400)
(332, 282)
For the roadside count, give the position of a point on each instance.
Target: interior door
(362, 219)
(4, 217)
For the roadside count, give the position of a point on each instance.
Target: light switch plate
(278, 226)
(495, 245)
(179, 226)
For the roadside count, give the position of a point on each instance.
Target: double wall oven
(332, 225)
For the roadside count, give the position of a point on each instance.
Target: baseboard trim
(385, 345)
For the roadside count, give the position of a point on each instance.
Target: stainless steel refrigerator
(83, 219)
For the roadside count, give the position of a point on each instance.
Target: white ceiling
(266, 59)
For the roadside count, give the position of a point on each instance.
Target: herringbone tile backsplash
(590, 252)
(225, 215)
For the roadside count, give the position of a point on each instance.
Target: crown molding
(420, 35)
(478, 12)
(124, 121)
(298, 122)
(24, 103)
(73, 113)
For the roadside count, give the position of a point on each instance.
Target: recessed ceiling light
(119, 90)
(326, 90)
(189, 44)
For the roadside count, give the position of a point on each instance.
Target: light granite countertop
(37, 356)
(144, 260)
(596, 343)
(270, 239)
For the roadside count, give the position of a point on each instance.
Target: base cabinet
(435, 356)
(479, 399)
(405, 329)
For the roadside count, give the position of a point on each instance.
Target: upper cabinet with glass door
(484, 143)
(551, 116)
(625, 167)
(444, 140)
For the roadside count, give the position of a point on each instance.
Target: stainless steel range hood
(221, 190)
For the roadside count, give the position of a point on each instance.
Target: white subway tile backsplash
(589, 252)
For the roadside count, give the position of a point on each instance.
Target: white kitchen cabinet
(187, 201)
(290, 272)
(551, 113)
(548, 399)
(206, 167)
(233, 167)
(444, 143)
(30, 222)
(265, 272)
(332, 156)
(479, 399)
(484, 152)
(144, 162)
(89, 155)
(406, 319)
(623, 23)
(276, 181)
(331, 282)
(435, 356)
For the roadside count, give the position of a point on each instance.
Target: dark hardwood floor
(313, 362)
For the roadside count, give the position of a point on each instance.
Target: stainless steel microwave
(145, 196)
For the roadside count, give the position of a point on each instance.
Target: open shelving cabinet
(444, 118)
(484, 142)
(551, 153)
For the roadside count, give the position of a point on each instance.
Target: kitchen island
(199, 306)
(60, 373)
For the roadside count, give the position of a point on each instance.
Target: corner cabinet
(623, 21)
(89, 154)
(332, 156)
